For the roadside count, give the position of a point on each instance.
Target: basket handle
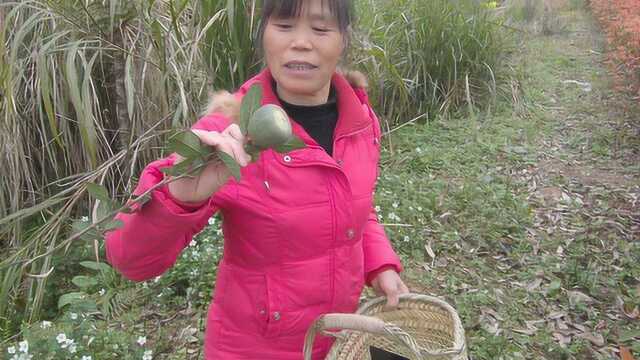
(362, 323)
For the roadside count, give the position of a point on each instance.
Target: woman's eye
(322, 30)
(283, 26)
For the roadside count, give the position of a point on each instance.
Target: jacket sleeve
(155, 233)
(378, 252)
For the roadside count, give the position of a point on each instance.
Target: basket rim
(458, 330)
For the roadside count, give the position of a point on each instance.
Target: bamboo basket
(421, 327)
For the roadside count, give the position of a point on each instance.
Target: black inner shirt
(319, 121)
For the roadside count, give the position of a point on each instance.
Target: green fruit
(269, 127)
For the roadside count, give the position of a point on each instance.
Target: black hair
(341, 9)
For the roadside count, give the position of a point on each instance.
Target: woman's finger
(392, 298)
(211, 138)
(224, 142)
(235, 132)
(238, 152)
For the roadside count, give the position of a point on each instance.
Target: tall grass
(430, 56)
(88, 88)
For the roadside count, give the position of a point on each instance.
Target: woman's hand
(216, 174)
(388, 283)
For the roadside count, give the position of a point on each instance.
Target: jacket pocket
(243, 301)
(297, 295)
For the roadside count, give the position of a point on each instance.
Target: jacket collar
(352, 113)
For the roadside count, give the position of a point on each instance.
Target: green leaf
(250, 103)
(231, 164)
(129, 85)
(253, 151)
(93, 234)
(293, 143)
(144, 199)
(46, 93)
(187, 144)
(71, 298)
(112, 225)
(180, 168)
(83, 282)
(99, 192)
(98, 266)
(105, 208)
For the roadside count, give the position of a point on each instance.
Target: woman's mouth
(299, 66)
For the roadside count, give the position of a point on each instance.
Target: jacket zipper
(333, 240)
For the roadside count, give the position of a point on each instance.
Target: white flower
(406, 238)
(156, 279)
(142, 340)
(68, 343)
(148, 355)
(24, 346)
(74, 316)
(393, 216)
(22, 357)
(419, 208)
(85, 357)
(377, 208)
(212, 221)
(418, 150)
(102, 292)
(11, 349)
(61, 338)
(72, 349)
(395, 205)
(192, 243)
(45, 324)
(85, 218)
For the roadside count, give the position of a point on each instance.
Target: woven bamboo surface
(422, 327)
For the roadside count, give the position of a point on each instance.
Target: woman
(301, 238)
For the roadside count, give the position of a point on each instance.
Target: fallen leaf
(627, 310)
(430, 251)
(579, 327)
(489, 321)
(442, 262)
(595, 339)
(534, 284)
(562, 339)
(630, 313)
(625, 353)
(526, 332)
(557, 315)
(577, 297)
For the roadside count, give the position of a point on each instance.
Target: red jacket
(300, 234)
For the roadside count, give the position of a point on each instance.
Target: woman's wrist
(184, 191)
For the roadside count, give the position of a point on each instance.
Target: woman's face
(302, 53)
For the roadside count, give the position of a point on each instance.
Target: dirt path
(570, 287)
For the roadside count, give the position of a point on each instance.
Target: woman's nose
(301, 40)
